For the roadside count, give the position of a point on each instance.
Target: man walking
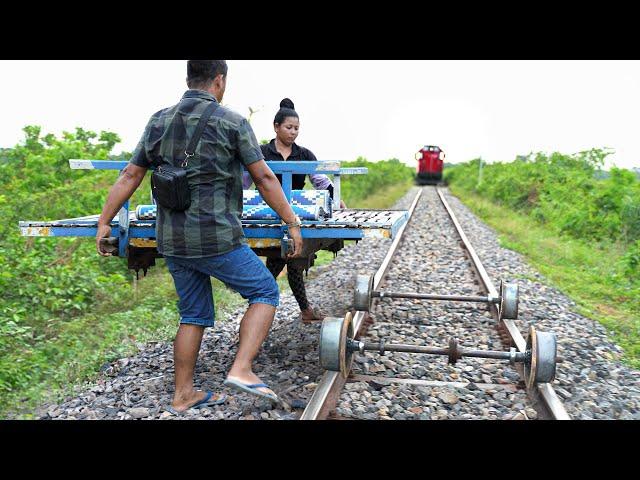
(207, 238)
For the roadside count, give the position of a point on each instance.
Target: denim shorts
(241, 270)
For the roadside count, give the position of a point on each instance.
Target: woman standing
(286, 125)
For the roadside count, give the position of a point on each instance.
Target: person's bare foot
(186, 401)
(312, 314)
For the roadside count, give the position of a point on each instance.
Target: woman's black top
(298, 154)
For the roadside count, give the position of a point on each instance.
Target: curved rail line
(328, 391)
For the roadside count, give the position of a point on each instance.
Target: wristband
(295, 223)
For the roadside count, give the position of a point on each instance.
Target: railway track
(376, 382)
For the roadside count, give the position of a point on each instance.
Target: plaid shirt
(211, 225)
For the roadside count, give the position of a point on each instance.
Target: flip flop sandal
(252, 389)
(205, 402)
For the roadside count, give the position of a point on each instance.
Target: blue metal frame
(286, 169)
(146, 229)
(319, 166)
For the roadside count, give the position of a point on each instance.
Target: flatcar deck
(347, 224)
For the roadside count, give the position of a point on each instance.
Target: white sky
(376, 109)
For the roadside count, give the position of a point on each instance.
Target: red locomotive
(430, 161)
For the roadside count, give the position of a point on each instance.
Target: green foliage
(381, 175)
(577, 225)
(563, 192)
(48, 283)
(82, 344)
(45, 281)
(631, 262)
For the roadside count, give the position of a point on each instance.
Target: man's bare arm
(120, 192)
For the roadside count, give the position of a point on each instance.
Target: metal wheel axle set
(337, 342)
(507, 300)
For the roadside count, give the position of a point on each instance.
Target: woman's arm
(321, 181)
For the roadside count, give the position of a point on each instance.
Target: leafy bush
(565, 192)
(47, 282)
(569, 194)
(631, 261)
(380, 175)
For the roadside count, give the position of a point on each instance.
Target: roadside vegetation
(575, 223)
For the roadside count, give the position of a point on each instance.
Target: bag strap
(193, 143)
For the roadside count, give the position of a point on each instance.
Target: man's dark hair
(200, 73)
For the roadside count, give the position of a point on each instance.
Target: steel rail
(331, 382)
(543, 391)
(328, 390)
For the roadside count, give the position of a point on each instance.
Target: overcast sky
(376, 109)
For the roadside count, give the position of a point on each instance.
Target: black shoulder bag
(169, 183)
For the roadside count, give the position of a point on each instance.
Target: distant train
(430, 160)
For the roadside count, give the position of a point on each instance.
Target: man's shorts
(241, 270)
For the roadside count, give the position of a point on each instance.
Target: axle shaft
(453, 351)
(430, 296)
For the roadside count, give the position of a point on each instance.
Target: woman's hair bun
(287, 103)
